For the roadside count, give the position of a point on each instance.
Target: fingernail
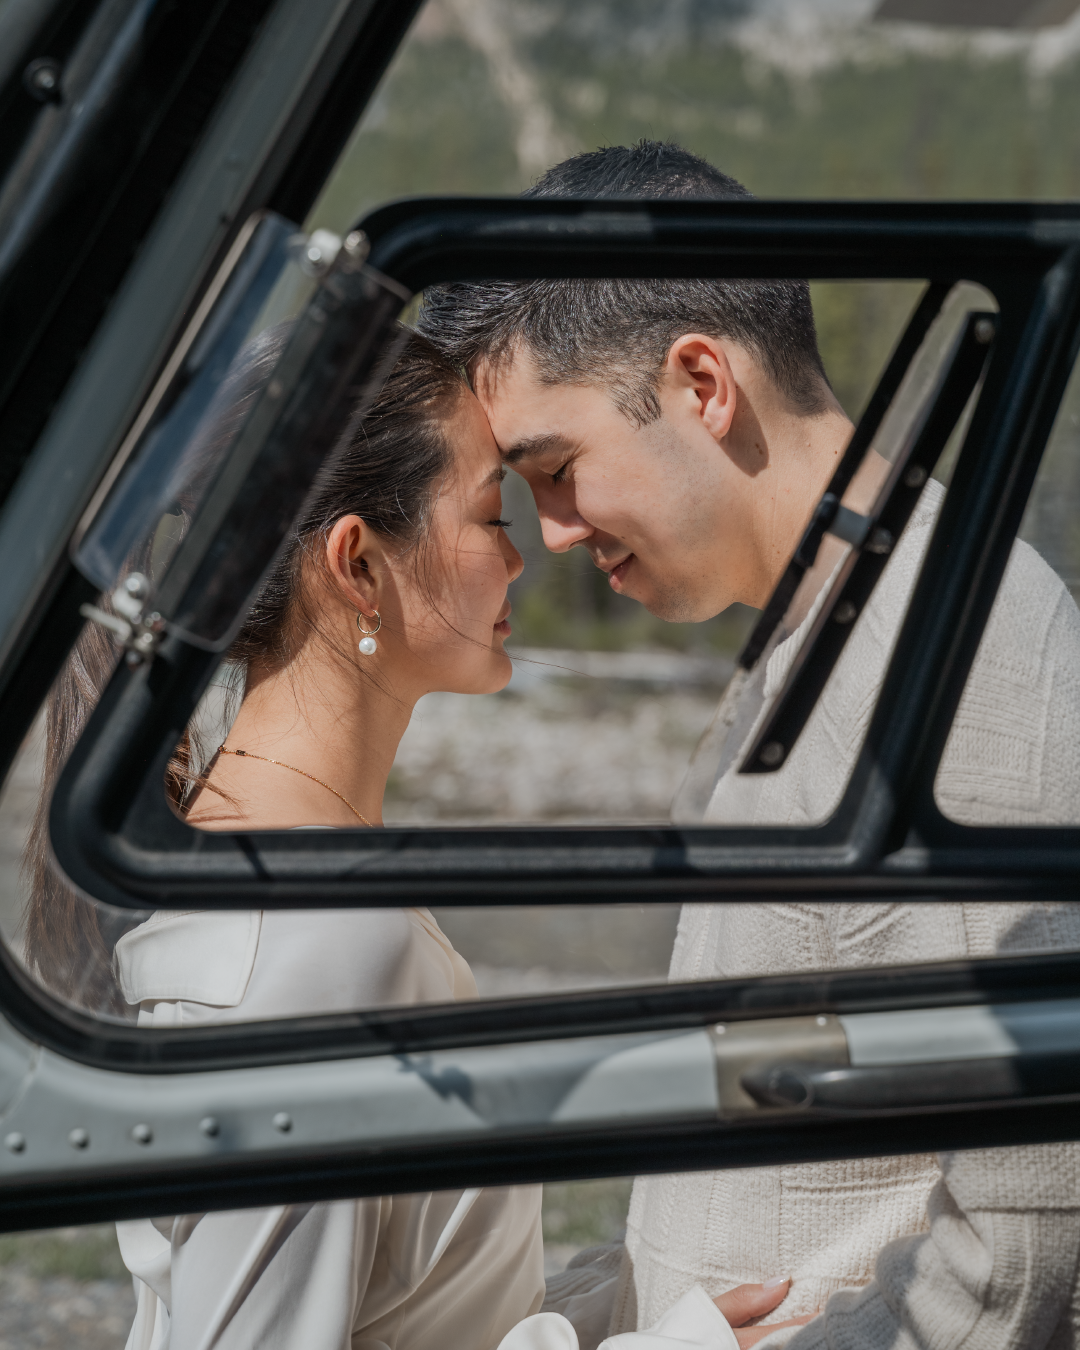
(776, 1281)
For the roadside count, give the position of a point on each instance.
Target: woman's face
(457, 621)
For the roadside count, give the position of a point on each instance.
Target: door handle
(836, 1088)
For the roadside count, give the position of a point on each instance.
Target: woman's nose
(515, 563)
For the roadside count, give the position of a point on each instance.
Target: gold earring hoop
(367, 644)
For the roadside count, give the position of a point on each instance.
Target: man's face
(658, 507)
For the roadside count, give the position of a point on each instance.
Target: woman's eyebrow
(495, 476)
(532, 447)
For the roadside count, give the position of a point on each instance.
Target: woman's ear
(699, 375)
(356, 563)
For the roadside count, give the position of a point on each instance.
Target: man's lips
(617, 573)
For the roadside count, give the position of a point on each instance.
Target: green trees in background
(887, 122)
(486, 93)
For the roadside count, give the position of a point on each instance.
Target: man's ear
(699, 377)
(356, 563)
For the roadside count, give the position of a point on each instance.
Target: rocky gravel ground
(554, 746)
(63, 1289)
(58, 1313)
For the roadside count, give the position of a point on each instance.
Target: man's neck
(803, 455)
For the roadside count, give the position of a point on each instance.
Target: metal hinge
(139, 635)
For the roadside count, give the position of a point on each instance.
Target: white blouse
(450, 1270)
(415, 1272)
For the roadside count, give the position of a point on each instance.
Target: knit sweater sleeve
(997, 1268)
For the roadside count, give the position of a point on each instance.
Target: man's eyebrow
(532, 447)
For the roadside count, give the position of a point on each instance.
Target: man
(682, 431)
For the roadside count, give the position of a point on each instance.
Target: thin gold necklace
(246, 754)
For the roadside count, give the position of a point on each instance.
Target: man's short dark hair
(618, 333)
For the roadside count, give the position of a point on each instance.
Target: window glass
(174, 463)
(1011, 752)
(598, 724)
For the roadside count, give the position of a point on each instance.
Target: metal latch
(750, 1050)
(855, 530)
(830, 517)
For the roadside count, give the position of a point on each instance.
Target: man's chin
(675, 613)
(674, 606)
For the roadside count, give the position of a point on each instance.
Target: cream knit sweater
(984, 1246)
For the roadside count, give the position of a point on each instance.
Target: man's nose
(563, 530)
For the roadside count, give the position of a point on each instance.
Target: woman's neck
(323, 717)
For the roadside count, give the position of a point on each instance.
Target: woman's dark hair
(386, 472)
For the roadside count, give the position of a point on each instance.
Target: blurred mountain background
(808, 98)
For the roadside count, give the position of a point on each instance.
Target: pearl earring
(367, 643)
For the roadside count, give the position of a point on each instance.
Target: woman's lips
(616, 575)
(502, 626)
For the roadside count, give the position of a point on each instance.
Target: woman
(393, 584)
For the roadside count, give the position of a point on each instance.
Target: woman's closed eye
(501, 524)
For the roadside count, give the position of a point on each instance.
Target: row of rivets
(143, 1134)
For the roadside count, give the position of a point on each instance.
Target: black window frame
(117, 838)
(887, 840)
